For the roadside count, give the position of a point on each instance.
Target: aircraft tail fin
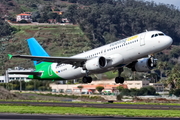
(36, 49)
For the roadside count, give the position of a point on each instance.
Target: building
(136, 84)
(24, 16)
(65, 20)
(13, 78)
(109, 86)
(2, 79)
(158, 86)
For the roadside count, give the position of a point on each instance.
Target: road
(60, 117)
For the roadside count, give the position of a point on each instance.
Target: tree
(177, 92)
(174, 77)
(99, 89)
(175, 53)
(80, 88)
(161, 67)
(149, 90)
(125, 91)
(134, 92)
(71, 13)
(120, 88)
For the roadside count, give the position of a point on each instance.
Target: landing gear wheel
(119, 80)
(87, 79)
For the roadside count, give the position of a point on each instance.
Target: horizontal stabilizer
(25, 73)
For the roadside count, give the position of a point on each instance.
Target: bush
(134, 92)
(149, 90)
(177, 92)
(119, 97)
(23, 21)
(125, 92)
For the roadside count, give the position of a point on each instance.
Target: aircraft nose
(168, 40)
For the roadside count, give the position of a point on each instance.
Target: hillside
(57, 41)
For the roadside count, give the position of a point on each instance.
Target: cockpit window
(159, 34)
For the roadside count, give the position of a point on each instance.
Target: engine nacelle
(95, 63)
(144, 65)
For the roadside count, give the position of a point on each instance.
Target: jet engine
(95, 63)
(143, 65)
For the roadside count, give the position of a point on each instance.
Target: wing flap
(50, 59)
(25, 73)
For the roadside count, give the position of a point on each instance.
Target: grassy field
(88, 111)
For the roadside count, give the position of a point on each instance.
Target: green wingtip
(10, 56)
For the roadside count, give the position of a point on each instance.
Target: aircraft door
(142, 39)
(50, 72)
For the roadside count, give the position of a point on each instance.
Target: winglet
(10, 56)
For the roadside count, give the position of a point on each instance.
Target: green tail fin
(10, 56)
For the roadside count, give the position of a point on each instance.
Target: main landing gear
(87, 79)
(119, 79)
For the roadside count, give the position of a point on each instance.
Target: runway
(70, 104)
(61, 117)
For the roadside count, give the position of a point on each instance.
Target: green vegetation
(149, 90)
(99, 89)
(88, 111)
(34, 85)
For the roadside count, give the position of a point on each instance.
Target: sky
(174, 2)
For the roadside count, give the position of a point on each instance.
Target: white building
(14, 77)
(2, 79)
(11, 77)
(136, 84)
(23, 16)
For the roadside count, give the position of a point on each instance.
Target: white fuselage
(120, 53)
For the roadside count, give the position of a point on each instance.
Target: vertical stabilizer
(36, 49)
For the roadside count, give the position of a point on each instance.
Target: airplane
(135, 52)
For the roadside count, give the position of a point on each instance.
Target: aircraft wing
(59, 60)
(25, 73)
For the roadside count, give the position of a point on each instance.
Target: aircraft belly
(71, 73)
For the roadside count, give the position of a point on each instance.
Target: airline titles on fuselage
(123, 40)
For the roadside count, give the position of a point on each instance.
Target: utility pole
(20, 85)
